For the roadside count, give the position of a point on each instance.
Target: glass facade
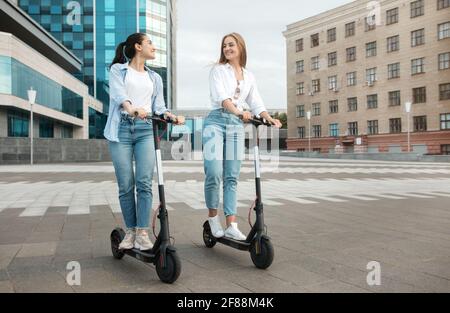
(16, 79)
(18, 123)
(92, 29)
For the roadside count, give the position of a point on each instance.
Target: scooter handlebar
(159, 118)
(257, 121)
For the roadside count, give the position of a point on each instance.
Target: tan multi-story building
(355, 67)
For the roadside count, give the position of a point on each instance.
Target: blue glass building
(91, 30)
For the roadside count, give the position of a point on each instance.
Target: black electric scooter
(163, 255)
(257, 241)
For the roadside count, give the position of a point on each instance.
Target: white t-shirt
(139, 89)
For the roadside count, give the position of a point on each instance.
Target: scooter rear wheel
(170, 273)
(264, 259)
(117, 236)
(209, 240)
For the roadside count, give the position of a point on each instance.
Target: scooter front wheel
(170, 273)
(117, 236)
(265, 257)
(208, 238)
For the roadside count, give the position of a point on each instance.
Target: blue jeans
(135, 142)
(223, 151)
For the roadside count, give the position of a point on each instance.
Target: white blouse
(223, 83)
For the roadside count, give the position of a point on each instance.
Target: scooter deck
(237, 244)
(146, 256)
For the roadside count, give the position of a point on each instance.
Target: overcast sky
(201, 25)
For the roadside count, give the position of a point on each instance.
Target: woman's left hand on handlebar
(179, 120)
(276, 123)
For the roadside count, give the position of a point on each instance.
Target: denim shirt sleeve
(158, 105)
(117, 91)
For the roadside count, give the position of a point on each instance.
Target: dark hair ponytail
(125, 51)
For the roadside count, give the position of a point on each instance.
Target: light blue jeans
(135, 142)
(223, 152)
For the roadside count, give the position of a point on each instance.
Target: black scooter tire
(117, 236)
(173, 267)
(209, 240)
(265, 258)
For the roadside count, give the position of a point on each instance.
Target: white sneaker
(128, 240)
(142, 241)
(233, 232)
(216, 227)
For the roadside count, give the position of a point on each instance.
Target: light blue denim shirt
(118, 95)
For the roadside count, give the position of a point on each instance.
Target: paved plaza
(327, 219)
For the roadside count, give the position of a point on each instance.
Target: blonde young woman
(232, 88)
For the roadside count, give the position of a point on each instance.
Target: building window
(370, 23)
(444, 30)
(351, 54)
(110, 22)
(371, 75)
(332, 59)
(110, 39)
(334, 107)
(351, 79)
(392, 16)
(417, 66)
(445, 121)
(18, 124)
(315, 109)
(314, 63)
(444, 91)
(419, 95)
(300, 89)
(372, 101)
(316, 85)
(420, 123)
(371, 49)
(317, 131)
(393, 43)
(300, 66)
(299, 45)
(314, 40)
(372, 127)
(395, 125)
(334, 130)
(349, 29)
(66, 132)
(352, 104)
(394, 98)
(353, 129)
(442, 4)
(417, 37)
(301, 132)
(332, 83)
(394, 70)
(45, 127)
(300, 111)
(445, 149)
(417, 8)
(331, 35)
(444, 60)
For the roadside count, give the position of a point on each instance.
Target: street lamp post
(408, 110)
(31, 99)
(308, 116)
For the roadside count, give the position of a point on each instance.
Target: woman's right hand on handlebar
(141, 113)
(246, 116)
